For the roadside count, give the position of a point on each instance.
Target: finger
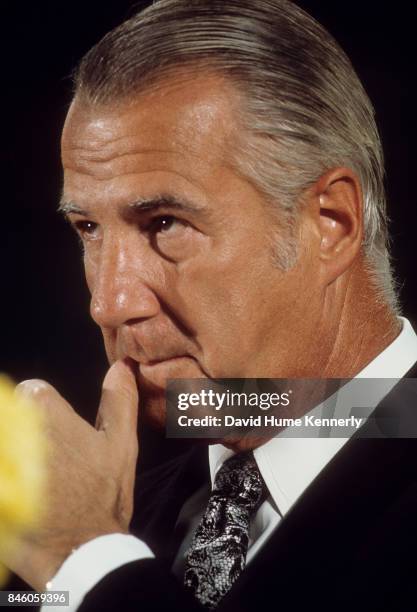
(43, 394)
(58, 414)
(118, 411)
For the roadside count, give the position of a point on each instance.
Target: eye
(172, 237)
(165, 224)
(86, 229)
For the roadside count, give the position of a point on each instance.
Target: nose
(120, 286)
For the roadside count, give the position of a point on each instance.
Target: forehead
(193, 116)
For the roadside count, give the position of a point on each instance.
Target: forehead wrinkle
(181, 139)
(203, 190)
(94, 156)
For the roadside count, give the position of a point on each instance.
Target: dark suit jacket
(349, 543)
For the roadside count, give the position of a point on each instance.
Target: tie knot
(239, 481)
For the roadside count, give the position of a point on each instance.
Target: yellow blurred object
(22, 454)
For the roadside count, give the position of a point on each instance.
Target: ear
(338, 216)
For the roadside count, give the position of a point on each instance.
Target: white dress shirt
(288, 466)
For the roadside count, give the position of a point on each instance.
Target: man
(224, 172)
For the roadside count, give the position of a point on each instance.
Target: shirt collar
(289, 465)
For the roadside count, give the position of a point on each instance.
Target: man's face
(178, 248)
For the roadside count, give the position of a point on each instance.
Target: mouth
(157, 372)
(155, 362)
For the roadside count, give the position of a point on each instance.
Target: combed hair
(303, 108)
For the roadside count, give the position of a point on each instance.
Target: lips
(154, 362)
(157, 372)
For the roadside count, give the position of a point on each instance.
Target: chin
(152, 381)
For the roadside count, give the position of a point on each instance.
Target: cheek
(109, 335)
(227, 310)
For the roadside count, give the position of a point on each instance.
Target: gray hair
(304, 108)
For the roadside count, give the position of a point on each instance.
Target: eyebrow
(141, 205)
(67, 208)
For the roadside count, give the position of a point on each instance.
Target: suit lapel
(160, 494)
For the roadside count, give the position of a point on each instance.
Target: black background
(46, 328)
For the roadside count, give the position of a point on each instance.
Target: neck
(367, 325)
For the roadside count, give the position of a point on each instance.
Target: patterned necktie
(217, 554)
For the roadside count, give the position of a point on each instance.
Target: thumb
(118, 411)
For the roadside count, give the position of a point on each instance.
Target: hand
(90, 473)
